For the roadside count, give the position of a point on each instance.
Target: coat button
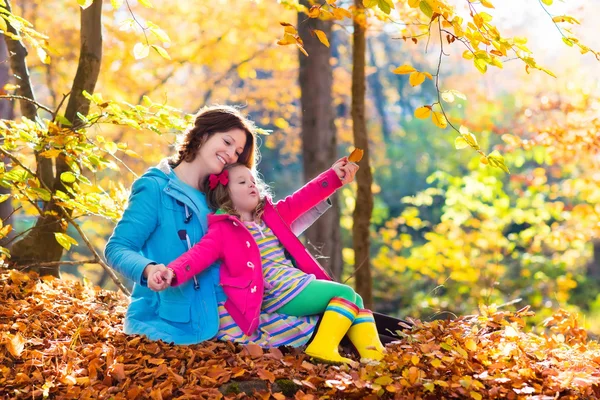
(253, 290)
(187, 267)
(250, 265)
(247, 244)
(234, 223)
(324, 184)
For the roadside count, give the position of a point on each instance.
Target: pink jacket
(229, 241)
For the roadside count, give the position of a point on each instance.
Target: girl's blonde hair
(220, 197)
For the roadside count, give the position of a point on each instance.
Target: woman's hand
(159, 277)
(345, 170)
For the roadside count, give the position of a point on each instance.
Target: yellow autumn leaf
(447, 96)
(141, 50)
(416, 78)
(471, 345)
(370, 3)
(85, 3)
(321, 36)
(497, 160)
(161, 51)
(341, 13)
(116, 4)
(460, 143)
(414, 3)
(423, 112)
(481, 65)
(15, 345)
(439, 119)
(288, 28)
(287, 39)
(43, 56)
(314, 11)
(566, 18)
(467, 55)
(404, 69)
(476, 395)
(487, 3)
(547, 2)
(301, 47)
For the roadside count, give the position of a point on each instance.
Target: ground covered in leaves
(63, 340)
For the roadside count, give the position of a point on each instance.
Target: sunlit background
(448, 232)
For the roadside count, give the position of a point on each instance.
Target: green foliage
(88, 154)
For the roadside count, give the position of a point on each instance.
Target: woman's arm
(201, 256)
(139, 220)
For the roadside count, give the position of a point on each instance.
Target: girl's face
(221, 149)
(242, 188)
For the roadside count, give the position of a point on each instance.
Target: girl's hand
(159, 277)
(345, 170)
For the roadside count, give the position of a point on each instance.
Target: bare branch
(23, 98)
(54, 263)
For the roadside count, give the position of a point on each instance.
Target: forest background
(448, 231)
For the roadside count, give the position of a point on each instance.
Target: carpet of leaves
(62, 339)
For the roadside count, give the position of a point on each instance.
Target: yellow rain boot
(337, 319)
(363, 335)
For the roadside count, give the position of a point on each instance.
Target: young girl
(265, 268)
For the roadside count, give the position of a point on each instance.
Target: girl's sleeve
(308, 196)
(201, 256)
(304, 221)
(139, 220)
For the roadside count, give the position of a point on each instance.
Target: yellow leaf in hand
(356, 155)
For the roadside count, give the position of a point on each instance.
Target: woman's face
(221, 149)
(242, 189)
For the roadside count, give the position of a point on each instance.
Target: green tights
(315, 297)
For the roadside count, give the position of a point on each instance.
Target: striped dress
(282, 281)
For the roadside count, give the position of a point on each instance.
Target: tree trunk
(376, 86)
(40, 244)
(364, 199)
(319, 139)
(6, 112)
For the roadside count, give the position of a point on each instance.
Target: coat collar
(221, 215)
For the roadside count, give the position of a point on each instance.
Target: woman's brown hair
(220, 198)
(210, 120)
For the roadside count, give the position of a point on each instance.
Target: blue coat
(163, 219)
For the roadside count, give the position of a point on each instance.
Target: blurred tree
(319, 136)
(361, 228)
(40, 244)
